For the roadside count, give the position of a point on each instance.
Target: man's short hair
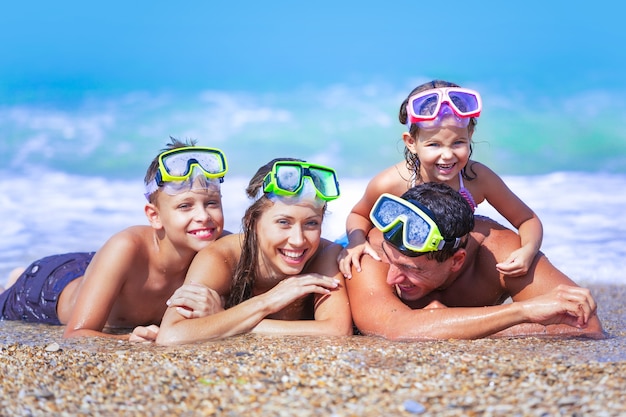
(453, 215)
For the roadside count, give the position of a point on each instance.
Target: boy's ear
(152, 213)
(409, 141)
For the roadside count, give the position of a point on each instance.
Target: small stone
(53, 347)
(414, 407)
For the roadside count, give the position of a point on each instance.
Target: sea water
(584, 216)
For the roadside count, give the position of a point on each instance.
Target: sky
(53, 50)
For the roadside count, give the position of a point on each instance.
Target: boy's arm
(100, 287)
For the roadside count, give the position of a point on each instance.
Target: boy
(129, 280)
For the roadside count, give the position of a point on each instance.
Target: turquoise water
(351, 127)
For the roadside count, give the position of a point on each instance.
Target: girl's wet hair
(412, 161)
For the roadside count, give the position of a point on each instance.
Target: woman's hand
(195, 300)
(290, 289)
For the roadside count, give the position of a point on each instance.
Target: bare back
(127, 283)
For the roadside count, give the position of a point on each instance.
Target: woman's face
(288, 236)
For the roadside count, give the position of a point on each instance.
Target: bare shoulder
(393, 179)
(134, 240)
(478, 168)
(482, 178)
(494, 238)
(325, 260)
(227, 248)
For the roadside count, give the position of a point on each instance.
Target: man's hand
(565, 304)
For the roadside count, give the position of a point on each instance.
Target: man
(438, 278)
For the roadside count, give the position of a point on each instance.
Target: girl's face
(289, 235)
(443, 152)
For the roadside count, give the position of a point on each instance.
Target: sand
(42, 374)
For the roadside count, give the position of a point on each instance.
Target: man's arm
(376, 310)
(543, 278)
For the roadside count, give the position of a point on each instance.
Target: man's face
(414, 278)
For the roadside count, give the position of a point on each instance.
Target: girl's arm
(358, 223)
(522, 217)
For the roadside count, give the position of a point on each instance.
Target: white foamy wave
(584, 217)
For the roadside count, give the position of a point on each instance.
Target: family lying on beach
(417, 264)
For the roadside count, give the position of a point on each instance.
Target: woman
(278, 276)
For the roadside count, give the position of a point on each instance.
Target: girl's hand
(195, 300)
(518, 263)
(144, 334)
(351, 255)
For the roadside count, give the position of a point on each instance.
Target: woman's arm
(332, 309)
(214, 267)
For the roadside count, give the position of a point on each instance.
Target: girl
(277, 277)
(441, 118)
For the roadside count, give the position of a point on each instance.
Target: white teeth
(292, 254)
(202, 233)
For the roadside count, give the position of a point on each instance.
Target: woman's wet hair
(247, 271)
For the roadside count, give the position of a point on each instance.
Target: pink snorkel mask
(445, 115)
(429, 109)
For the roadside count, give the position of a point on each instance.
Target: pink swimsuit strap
(466, 193)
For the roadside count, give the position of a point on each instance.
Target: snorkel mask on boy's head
(188, 168)
(409, 226)
(296, 181)
(429, 109)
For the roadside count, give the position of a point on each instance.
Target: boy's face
(191, 219)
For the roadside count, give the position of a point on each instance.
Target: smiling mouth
(293, 255)
(445, 166)
(203, 233)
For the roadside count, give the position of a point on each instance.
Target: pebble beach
(41, 374)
